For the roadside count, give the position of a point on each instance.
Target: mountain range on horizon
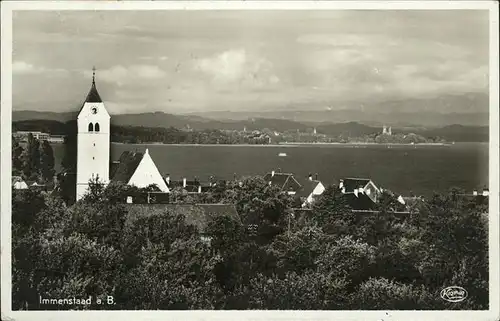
(54, 123)
(468, 109)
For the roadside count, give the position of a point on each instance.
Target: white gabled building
(138, 169)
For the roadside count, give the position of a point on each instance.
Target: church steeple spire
(93, 95)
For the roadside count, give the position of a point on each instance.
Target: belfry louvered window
(91, 127)
(97, 128)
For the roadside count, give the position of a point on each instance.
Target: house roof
(199, 215)
(361, 202)
(127, 166)
(308, 187)
(16, 179)
(189, 184)
(350, 184)
(285, 181)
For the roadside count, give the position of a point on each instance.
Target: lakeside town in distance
(133, 192)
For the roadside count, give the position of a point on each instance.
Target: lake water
(403, 169)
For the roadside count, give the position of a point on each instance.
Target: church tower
(93, 142)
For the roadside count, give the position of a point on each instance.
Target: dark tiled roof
(113, 166)
(127, 166)
(191, 186)
(206, 188)
(199, 215)
(308, 187)
(285, 181)
(352, 183)
(362, 202)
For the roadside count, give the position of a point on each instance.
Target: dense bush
(335, 259)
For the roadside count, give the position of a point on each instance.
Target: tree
(309, 291)
(17, 162)
(262, 204)
(382, 294)
(47, 162)
(455, 238)
(31, 159)
(66, 178)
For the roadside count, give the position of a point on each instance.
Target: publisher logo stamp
(454, 294)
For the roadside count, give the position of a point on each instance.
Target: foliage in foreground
(333, 260)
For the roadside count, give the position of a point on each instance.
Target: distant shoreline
(290, 144)
(386, 144)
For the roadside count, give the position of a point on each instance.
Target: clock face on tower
(94, 110)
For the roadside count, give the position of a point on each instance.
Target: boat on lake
(282, 154)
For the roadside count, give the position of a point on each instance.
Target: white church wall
(93, 148)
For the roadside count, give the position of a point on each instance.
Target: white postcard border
(5, 174)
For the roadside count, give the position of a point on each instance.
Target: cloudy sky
(193, 61)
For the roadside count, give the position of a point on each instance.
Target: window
(91, 127)
(97, 128)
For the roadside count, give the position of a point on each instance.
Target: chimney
(272, 173)
(316, 176)
(401, 200)
(474, 193)
(361, 190)
(341, 184)
(199, 188)
(167, 179)
(356, 192)
(310, 177)
(146, 152)
(486, 192)
(184, 183)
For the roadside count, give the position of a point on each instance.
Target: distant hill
(457, 133)
(43, 115)
(471, 109)
(159, 119)
(53, 127)
(350, 129)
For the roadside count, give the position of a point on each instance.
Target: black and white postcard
(250, 160)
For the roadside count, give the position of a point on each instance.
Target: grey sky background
(190, 61)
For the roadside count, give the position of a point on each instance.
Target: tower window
(97, 128)
(91, 127)
(93, 157)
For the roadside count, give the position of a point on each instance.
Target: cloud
(22, 67)
(161, 58)
(121, 75)
(26, 68)
(237, 67)
(345, 40)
